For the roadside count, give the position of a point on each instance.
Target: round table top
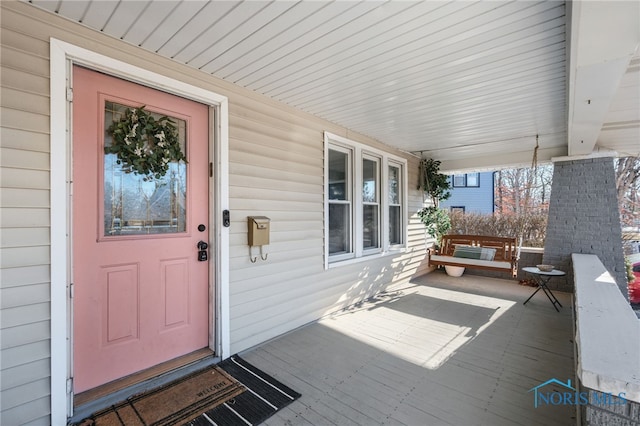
(535, 270)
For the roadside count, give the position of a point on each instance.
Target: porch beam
(500, 161)
(602, 41)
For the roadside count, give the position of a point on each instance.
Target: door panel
(121, 287)
(141, 297)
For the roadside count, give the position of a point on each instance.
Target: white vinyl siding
(276, 169)
(476, 199)
(24, 229)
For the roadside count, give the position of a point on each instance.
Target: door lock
(202, 251)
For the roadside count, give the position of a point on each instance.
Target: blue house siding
(476, 199)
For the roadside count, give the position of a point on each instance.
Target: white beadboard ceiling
(468, 83)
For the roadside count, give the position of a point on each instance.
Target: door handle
(202, 251)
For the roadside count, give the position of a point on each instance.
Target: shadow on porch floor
(435, 351)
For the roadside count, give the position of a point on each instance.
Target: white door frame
(62, 57)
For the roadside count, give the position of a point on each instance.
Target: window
(395, 204)
(466, 180)
(473, 179)
(459, 209)
(370, 203)
(365, 209)
(340, 207)
(134, 205)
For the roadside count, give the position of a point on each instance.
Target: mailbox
(258, 230)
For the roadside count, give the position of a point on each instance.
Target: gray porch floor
(436, 351)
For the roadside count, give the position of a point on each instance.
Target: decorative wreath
(143, 144)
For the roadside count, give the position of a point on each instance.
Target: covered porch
(436, 350)
(472, 85)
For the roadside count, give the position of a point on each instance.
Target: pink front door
(141, 295)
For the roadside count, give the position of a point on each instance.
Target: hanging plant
(436, 221)
(436, 185)
(144, 145)
(432, 182)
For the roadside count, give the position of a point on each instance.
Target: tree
(522, 190)
(628, 187)
(522, 201)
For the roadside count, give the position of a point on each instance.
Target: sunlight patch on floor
(424, 326)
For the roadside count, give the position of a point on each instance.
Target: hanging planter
(432, 182)
(436, 185)
(144, 145)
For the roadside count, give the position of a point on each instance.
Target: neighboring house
(471, 193)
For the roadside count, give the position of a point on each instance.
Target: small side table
(542, 279)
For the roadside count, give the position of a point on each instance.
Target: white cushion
(473, 262)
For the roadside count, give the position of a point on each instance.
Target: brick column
(584, 218)
(606, 410)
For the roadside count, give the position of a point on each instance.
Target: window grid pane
(369, 181)
(338, 175)
(339, 228)
(473, 179)
(394, 185)
(371, 205)
(340, 207)
(395, 206)
(459, 181)
(370, 227)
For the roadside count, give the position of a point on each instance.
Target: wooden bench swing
(478, 252)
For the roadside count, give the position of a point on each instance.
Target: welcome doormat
(263, 397)
(175, 403)
(233, 392)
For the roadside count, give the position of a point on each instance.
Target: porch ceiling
(469, 83)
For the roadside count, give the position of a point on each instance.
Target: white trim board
(62, 56)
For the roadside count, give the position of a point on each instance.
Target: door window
(140, 204)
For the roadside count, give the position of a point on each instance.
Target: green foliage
(532, 227)
(433, 182)
(436, 221)
(629, 270)
(144, 145)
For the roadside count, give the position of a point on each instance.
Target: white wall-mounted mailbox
(258, 230)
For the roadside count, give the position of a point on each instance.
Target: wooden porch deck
(436, 351)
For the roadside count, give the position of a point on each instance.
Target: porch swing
(487, 252)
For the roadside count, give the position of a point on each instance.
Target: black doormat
(263, 397)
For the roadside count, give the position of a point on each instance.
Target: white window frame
(378, 202)
(359, 152)
(401, 197)
(349, 201)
